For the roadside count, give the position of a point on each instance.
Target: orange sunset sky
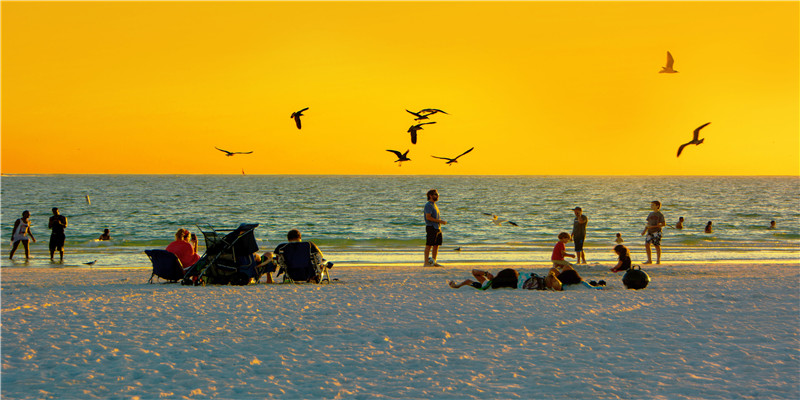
(565, 88)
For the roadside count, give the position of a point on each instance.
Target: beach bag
(534, 282)
(635, 278)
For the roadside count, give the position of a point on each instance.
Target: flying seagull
(90, 262)
(695, 139)
(451, 161)
(400, 157)
(296, 115)
(231, 153)
(418, 116)
(668, 69)
(431, 111)
(414, 128)
(499, 221)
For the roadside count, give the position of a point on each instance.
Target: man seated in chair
(286, 252)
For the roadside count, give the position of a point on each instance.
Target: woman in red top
(181, 247)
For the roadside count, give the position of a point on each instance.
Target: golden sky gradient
(565, 88)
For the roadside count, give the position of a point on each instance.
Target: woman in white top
(21, 232)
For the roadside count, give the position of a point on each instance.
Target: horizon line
(420, 175)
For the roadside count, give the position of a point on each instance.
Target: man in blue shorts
(433, 237)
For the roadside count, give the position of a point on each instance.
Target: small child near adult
(709, 228)
(679, 224)
(619, 239)
(624, 262)
(560, 251)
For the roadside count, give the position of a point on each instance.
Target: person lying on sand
(508, 277)
(563, 275)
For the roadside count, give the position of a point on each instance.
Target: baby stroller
(229, 258)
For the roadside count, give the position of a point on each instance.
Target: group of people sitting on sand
(561, 274)
(185, 248)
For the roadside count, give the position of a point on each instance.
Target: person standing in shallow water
(57, 238)
(579, 234)
(20, 234)
(433, 230)
(655, 221)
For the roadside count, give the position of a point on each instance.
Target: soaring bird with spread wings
(400, 157)
(413, 130)
(451, 161)
(296, 115)
(499, 221)
(668, 69)
(231, 153)
(695, 139)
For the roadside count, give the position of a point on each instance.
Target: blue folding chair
(166, 265)
(300, 264)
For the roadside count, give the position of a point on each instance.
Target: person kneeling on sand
(508, 277)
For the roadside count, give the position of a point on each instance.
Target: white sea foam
(696, 332)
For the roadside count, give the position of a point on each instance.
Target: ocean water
(362, 220)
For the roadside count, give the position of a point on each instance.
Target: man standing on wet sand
(579, 234)
(433, 231)
(57, 238)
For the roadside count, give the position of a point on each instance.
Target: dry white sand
(712, 331)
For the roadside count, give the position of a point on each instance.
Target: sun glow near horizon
(563, 88)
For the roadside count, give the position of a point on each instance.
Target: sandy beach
(697, 332)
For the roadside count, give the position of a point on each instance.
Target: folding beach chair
(301, 262)
(166, 265)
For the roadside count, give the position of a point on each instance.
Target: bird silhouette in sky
(414, 128)
(232, 153)
(451, 161)
(400, 157)
(296, 115)
(90, 263)
(695, 140)
(668, 69)
(499, 221)
(418, 116)
(431, 111)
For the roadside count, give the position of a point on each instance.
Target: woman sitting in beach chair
(485, 280)
(301, 261)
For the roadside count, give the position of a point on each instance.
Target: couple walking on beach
(21, 233)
